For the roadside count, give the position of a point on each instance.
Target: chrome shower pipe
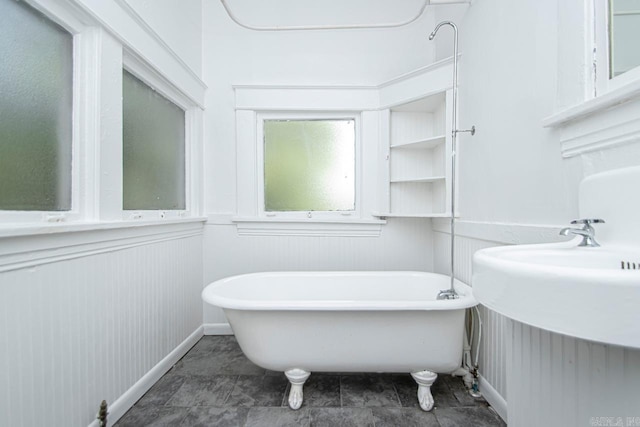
(451, 293)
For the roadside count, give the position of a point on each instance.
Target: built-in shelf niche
(416, 154)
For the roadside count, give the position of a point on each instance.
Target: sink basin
(577, 291)
(571, 257)
(584, 292)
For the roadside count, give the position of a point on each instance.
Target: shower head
(433, 33)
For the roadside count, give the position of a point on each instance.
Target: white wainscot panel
(551, 379)
(492, 357)
(75, 332)
(559, 380)
(404, 244)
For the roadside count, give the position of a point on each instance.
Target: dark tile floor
(216, 385)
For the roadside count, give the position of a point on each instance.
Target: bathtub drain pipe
(464, 371)
(475, 391)
(469, 369)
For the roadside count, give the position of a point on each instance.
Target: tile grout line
(185, 415)
(395, 412)
(373, 417)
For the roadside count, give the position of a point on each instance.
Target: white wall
(88, 327)
(234, 55)
(178, 23)
(100, 312)
(405, 244)
(511, 170)
(521, 62)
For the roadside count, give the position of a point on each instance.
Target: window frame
(601, 54)
(309, 215)
(602, 114)
(101, 50)
(337, 101)
(149, 76)
(74, 25)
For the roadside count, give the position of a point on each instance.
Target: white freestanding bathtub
(300, 322)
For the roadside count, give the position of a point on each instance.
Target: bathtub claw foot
(296, 377)
(425, 380)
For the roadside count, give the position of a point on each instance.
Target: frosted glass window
(624, 28)
(309, 165)
(153, 149)
(36, 84)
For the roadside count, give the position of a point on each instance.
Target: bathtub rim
(466, 300)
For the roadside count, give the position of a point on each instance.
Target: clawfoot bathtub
(301, 322)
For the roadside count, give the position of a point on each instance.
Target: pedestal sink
(592, 293)
(575, 291)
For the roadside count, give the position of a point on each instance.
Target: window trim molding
(357, 227)
(106, 35)
(602, 57)
(119, 19)
(607, 117)
(135, 65)
(67, 14)
(74, 22)
(306, 98)
(31, 245)
(369, 102)
(249, 220)
(580, 111)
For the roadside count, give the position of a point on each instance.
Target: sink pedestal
(573, 340)
(556, 380)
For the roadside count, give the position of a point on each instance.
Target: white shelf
(430, 142)
(425, 105)
(416, 179)
(423, 179)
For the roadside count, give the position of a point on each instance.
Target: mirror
(624, 33)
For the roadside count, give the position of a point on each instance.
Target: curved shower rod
(329, 27)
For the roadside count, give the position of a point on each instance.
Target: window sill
(258, 226)
(29, 245)
(600, 123)
(32, 229)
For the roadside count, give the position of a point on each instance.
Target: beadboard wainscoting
(103, 324)
(492, 348)
(470, 238)
(577, 382)
(404, 244)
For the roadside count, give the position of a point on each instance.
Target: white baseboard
(122, 404)
(494, 398)
(217, 329)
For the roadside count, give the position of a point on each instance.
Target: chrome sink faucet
(587, 232)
